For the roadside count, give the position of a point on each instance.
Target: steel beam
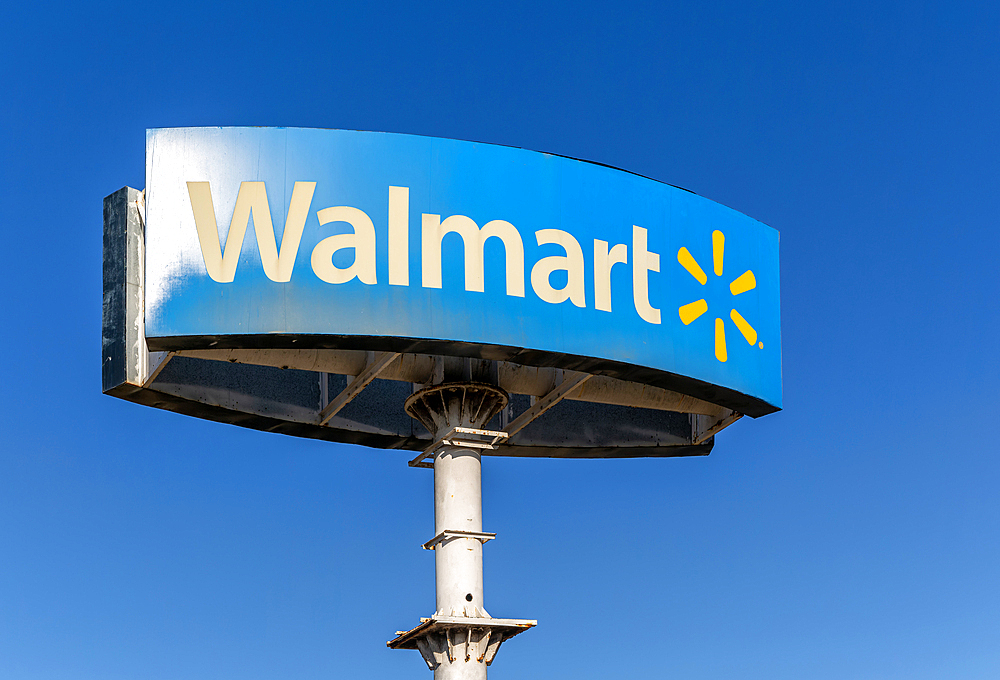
(360, 382)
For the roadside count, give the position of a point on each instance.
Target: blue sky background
(856, 534)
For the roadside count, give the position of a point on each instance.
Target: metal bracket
(481, 439)
(372, 370)
(454, 533)
(442, 639)
(571, 380)
(158, 361)
(703, 427)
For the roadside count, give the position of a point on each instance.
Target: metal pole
(461, 639)
(458, 562)
(458, 505)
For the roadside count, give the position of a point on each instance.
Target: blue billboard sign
(286, 237)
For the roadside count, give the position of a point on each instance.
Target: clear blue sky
(856, 534)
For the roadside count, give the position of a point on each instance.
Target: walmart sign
(330, 238)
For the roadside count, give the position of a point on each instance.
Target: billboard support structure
(591, 320)
(461, 638)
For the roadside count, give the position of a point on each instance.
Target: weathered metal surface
(289, 401)
(420, 368)
(445, 408)
(355, 386)
(442, 639)
(485, 440)
(123, 345)
(706, 427)
(569, 384)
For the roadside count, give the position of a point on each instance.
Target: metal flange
(442, 407)
(445, 639)
(469, 437)
(449, 534)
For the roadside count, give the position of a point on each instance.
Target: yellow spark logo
(740, 284)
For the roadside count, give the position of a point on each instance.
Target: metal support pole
(458, 505)
(458, 562)
(461, 639)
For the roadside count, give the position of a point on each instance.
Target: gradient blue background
(483, 182)
(856, 534)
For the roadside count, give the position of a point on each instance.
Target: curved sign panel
(274, 237)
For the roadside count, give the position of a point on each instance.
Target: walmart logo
(741, 284)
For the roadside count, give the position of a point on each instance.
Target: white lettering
(643, 262)
(251, 200)
(433, 232)
(603, 262)
(399, 236)
(571, 263)
(362, 241)
(278, 262)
